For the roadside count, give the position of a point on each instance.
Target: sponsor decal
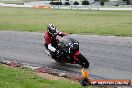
(85, 81)
(45, 7)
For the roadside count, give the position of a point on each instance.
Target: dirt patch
(50, 77)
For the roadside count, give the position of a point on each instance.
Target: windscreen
(65, 39)
(68, 44)
(65, 43)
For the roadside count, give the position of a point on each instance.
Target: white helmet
(52, 29)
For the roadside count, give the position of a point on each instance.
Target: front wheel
(83, 61)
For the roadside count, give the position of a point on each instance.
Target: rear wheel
(83, 61)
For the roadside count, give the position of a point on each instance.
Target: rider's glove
(51, 48)
(62, 34)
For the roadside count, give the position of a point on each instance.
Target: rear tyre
(83, 61)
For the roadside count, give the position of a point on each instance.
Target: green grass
(23, 78)
(117, 23)
(12, 1)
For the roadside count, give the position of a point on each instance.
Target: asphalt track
(110, 57)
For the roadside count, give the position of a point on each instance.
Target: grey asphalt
(110, 57)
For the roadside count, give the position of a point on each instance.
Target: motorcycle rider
(50, 39)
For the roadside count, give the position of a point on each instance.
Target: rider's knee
(46, 46)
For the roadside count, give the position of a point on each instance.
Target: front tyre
(83, 61)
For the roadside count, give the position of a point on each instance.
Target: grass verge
(23, 78)
(19, 2)
(117, 23)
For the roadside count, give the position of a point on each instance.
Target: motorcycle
(68, 52)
